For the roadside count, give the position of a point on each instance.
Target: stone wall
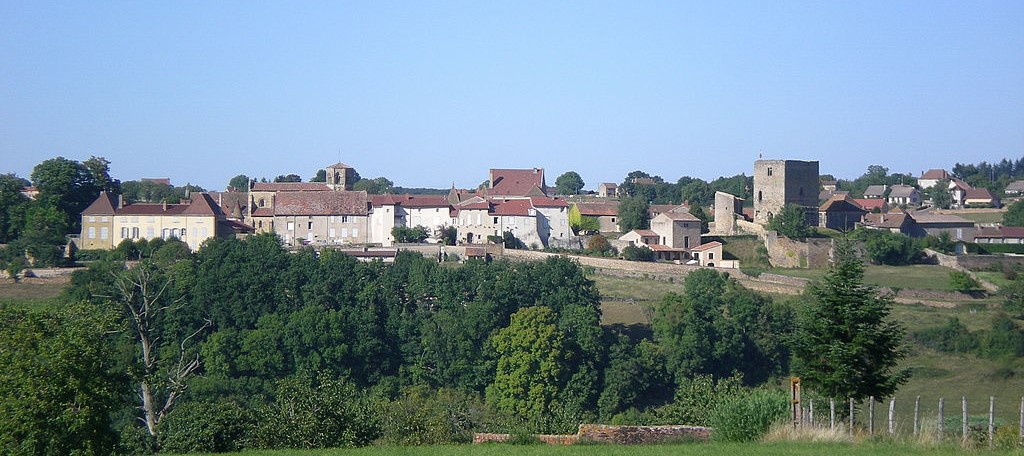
(787, 253)
(613, 266)
(623, 435)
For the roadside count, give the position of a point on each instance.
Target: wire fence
(972, 423)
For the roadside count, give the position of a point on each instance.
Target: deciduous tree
(633, 214)
(569, 183)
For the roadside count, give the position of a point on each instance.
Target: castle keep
(781, 182)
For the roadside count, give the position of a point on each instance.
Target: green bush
(209, 427)
(744, 418)
(634, 253)
(963, 282)
(426, 417)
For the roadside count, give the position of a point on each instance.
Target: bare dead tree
(142, 291)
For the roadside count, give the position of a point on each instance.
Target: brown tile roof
(104, 205)
(647, 233)
(203, 204)
(683, 216)
(936, 174)
(237, 227)
(152, 209)
(410, 200)
(840, 203)
(338, 165)
(929, 217)
(902, 191)
(874, 190)
(707, 246)
(263, 212)
(516, 182)
(1015, 186)
(961, 184)
(890, 220)
(978, 193)
(321, 203)
(543, 201)
(1002, 232)
(598, 209)
(290, 187)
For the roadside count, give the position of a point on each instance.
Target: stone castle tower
(781, 182)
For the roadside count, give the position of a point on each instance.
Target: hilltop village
(519, 205)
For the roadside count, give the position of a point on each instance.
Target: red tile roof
(840, 203)
(515, 207)
(869, 204)
(516, 182)
(290, 187)
(321, 203)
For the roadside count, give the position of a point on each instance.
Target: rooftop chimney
(120, 201)
(165, 205)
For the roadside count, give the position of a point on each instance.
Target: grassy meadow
(688, 449)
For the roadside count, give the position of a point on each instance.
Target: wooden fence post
(851, 416)
(964, 421)
(991, 419)
(917, 414)
(1021, 430)
(810, 412)
(892, 415)
(942, 418)
(832, 413)
(871, 416)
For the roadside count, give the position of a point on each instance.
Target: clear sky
(430, 93)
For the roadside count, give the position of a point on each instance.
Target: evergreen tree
(845, 345)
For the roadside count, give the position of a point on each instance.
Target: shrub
(425, 417)
(744, 418)
(634, 253)
(963, 282)
(212, 427)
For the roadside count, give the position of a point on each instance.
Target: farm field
(694, 449)
(981, 217)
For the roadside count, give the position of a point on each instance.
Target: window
(344, 232)
(769, 170)
(175, 233)
(711, 255)
(92, 218)
(696, 255)
(150, 232)
(183, 233)
(495, 220)
(124, 232)
(260, 223)
(92, 232)
(331, 233)
(291, 226)
(262, 202)
(686, 242)
(759, 195)
(104, 219)
(355, 232)
(104, 232)
(613, 219)
(135, 220)
(309, 226)
(135, 232)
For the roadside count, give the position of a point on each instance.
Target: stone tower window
(759, 196)
(769, 170)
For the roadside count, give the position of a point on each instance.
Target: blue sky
(431, 93)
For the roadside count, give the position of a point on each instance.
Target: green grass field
(690, 449)
(917, 276)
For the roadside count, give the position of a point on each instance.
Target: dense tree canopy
(67, 185)
(569, 183)
(1014, 215)
(239, 183)
(791, 222)
(634, 214)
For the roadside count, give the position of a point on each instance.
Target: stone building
(781, 182)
